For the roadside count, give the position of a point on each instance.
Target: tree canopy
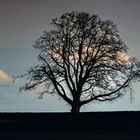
(83, 59)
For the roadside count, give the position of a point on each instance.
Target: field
(87, 126)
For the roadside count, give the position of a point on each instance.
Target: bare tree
(83, 59)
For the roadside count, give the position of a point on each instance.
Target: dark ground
(87, 126)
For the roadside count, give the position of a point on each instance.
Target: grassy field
(88, 126)
(63, 136)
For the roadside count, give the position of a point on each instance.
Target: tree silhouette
(83, 59)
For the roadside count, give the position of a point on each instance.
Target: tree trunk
(75, 110)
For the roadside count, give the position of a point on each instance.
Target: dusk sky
(23, 21)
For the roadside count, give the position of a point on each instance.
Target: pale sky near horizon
(23, 21)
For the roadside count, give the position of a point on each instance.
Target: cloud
(5, 78)
(39, 89)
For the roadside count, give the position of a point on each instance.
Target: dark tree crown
(83, 59)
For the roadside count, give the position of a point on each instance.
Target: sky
(23, 21)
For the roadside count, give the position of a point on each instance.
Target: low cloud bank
(5, 78)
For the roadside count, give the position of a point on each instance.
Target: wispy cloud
(5, 78)
(38, 90)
